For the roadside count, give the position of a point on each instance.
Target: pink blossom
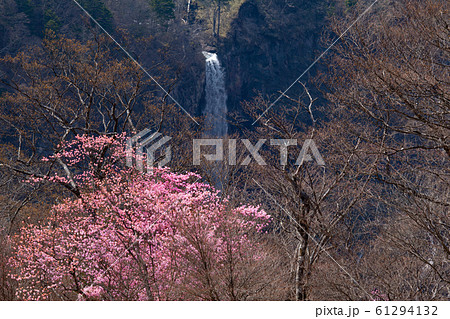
(132, 236)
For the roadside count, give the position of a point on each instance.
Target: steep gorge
(263, 47)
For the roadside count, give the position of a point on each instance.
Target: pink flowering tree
(137, 236)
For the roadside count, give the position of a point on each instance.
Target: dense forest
(333, 179)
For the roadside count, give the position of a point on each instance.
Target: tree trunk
(300, 265)
(218, 20)
(214, 23)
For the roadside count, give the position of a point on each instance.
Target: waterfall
(216, 97)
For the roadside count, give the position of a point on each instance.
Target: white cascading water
(216, 97)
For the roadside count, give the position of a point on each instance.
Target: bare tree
(310, 201)
(66, 88)
(390, 75)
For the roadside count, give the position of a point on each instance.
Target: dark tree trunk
(214, 23)
(301, 292)
(218, 20)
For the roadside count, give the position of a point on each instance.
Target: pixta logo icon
(151, 144)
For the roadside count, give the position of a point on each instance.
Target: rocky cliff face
(269, 45)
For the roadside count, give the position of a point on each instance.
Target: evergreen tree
(99, 12)
(350, 3)
(52, 21)
(164, 9)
